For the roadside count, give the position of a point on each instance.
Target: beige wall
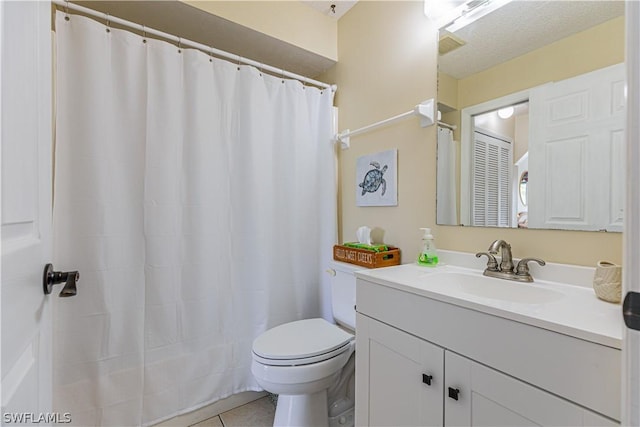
(492, 122)
(447, 90)
(388, 64)
(521, 137)
(290, 21)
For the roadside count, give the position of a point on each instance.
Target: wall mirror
(532, 89)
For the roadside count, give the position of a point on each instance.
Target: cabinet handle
(427, 379)
(454, 393)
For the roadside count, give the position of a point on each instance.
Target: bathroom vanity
(449, 346)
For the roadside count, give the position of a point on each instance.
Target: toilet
(310, 363)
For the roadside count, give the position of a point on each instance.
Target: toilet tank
(343, 293)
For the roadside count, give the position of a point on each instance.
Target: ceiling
(519, 27)
(340, 7)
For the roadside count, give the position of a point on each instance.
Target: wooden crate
(364, 258)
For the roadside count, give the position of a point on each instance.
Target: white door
(576, 146)
(491, 191)
(631, 273)
(26, 210)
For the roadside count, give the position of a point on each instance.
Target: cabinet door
(457, 390)
(394, 370)
(490, 398)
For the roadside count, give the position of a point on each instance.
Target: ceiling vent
(449, 42)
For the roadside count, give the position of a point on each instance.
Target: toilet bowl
(308, 363)
(299, 361)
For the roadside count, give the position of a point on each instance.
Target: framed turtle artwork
(376, 179)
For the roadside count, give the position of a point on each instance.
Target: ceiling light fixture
(475, 11)
(453, 15)
(443, 12)
(506, 112)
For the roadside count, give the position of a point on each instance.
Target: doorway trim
(466, 138)
(630, 378)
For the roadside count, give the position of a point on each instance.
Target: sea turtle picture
(373, 179)
(376, 179)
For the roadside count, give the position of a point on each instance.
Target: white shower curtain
(198, 202)
(446, 197)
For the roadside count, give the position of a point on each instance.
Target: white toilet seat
(301, 343)
(311, 377)
(303, 360)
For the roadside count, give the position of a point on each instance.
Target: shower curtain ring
(179, 45)
(239, 59)
(66, 10)
(210, 53)
(108, 23)
(144, 34)
(282, 69)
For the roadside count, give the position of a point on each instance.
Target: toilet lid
(300, 339)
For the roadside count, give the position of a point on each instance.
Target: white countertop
(568, 309)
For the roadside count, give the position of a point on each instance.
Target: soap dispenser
(429, 254)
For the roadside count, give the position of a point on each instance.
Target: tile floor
(258, 413)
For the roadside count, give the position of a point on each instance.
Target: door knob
(50, 278)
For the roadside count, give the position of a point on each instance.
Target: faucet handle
(523, 268)
(492, 263)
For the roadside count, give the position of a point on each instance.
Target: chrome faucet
(506, 263)
(506, 269)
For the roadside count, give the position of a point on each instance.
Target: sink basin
(561, 299)
(493, 288)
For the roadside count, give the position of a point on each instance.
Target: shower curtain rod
(66, 6)
(447, 125)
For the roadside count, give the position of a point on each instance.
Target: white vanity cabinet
(423, 362)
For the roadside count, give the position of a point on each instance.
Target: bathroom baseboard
(212, 410)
